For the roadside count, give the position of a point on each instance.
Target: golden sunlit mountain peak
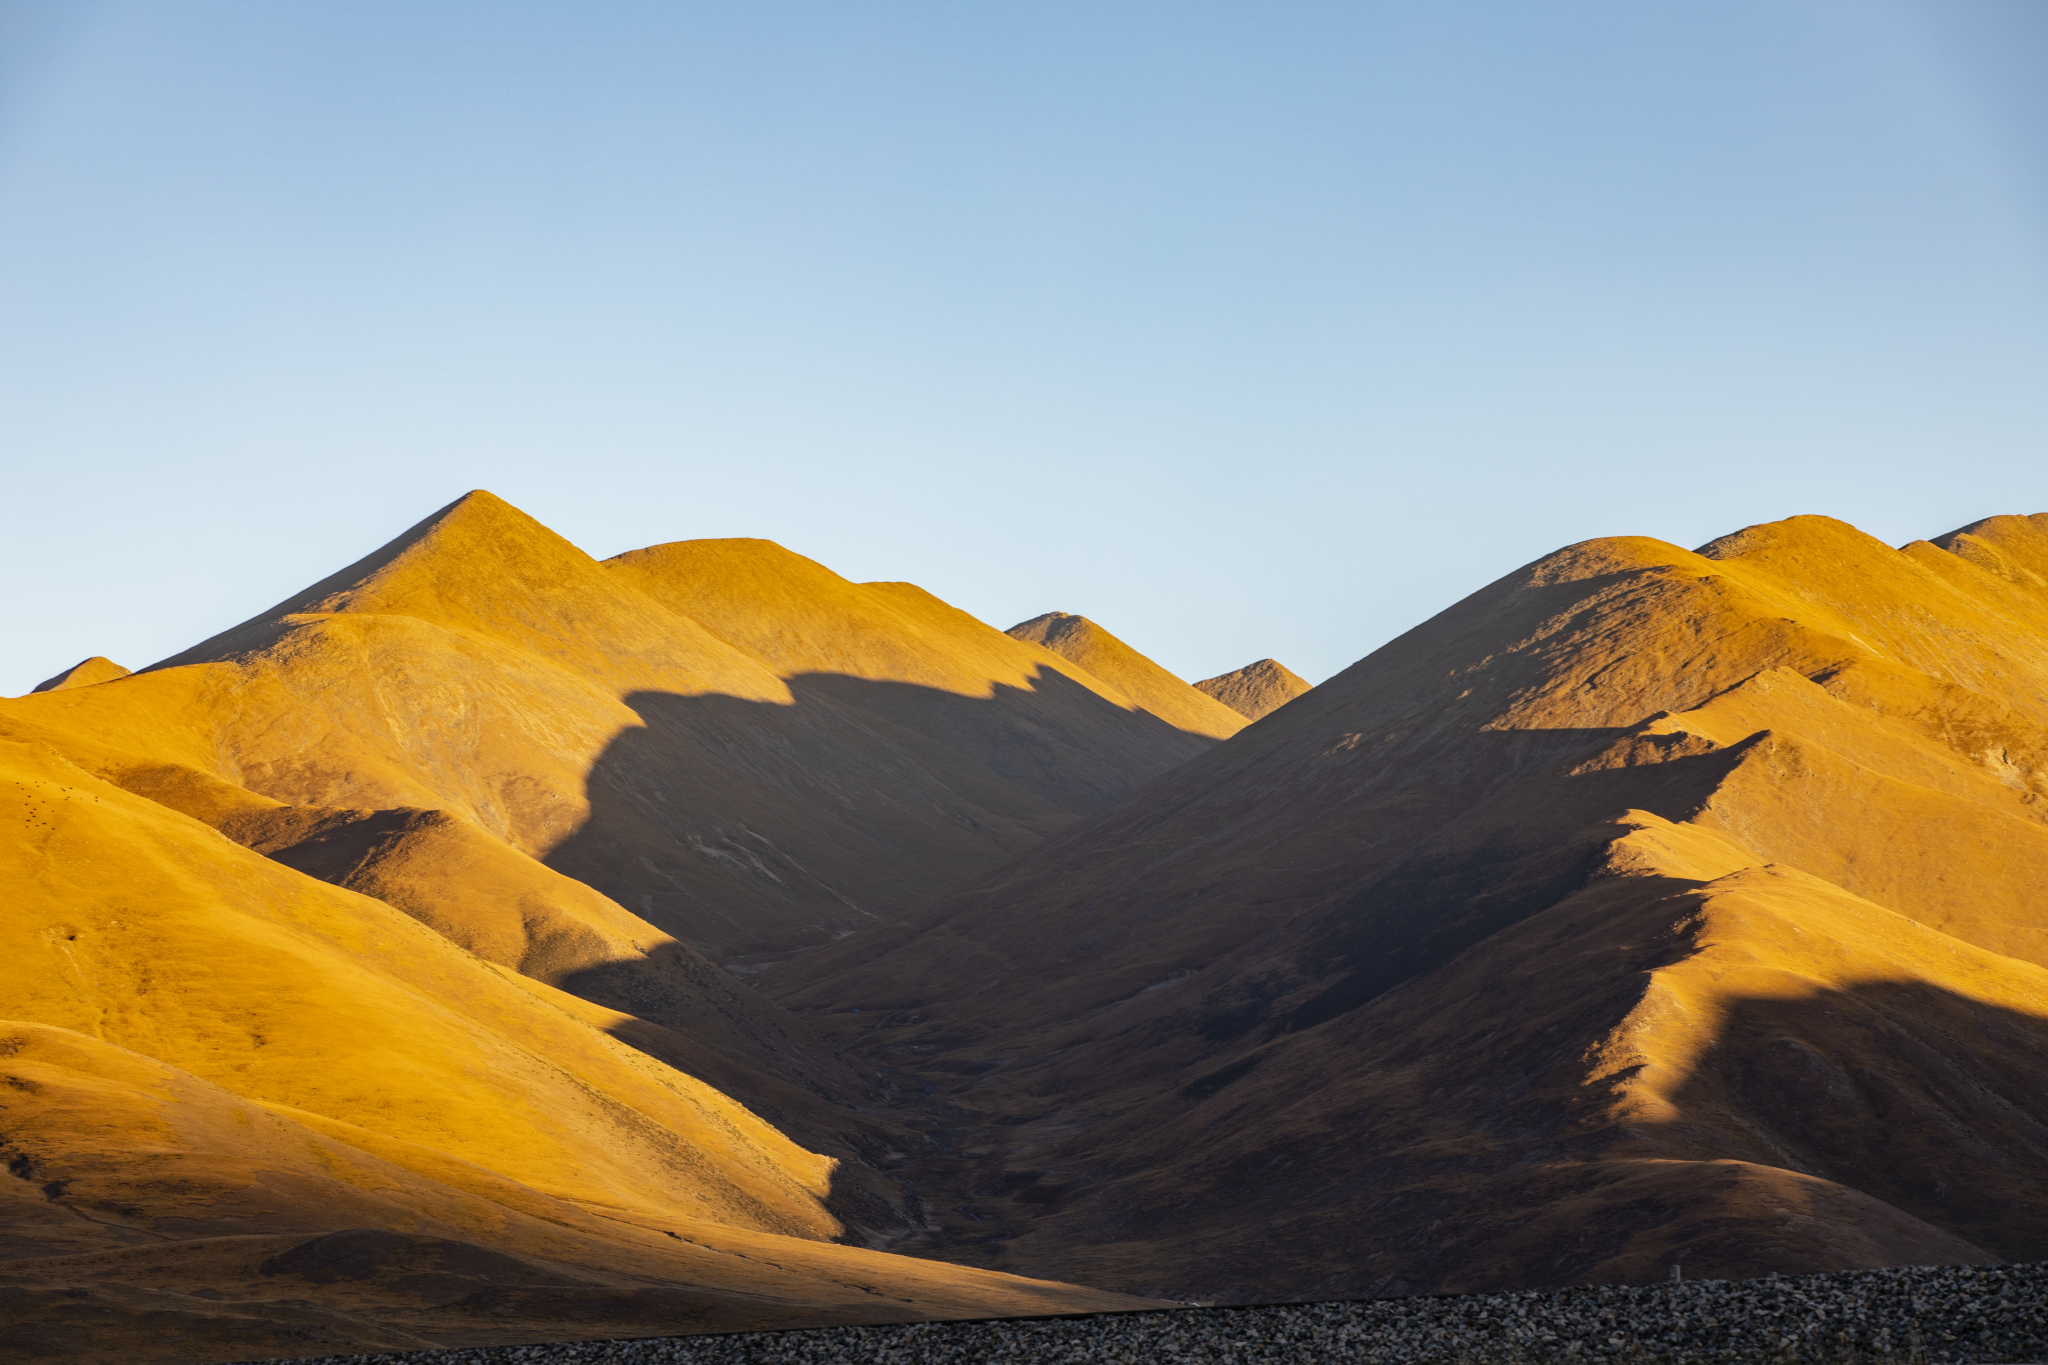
(1149, 686)
(1255, 690)
(85, 673)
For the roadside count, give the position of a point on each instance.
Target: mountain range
(493, 943)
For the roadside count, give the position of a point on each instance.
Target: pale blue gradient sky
(1246, 329)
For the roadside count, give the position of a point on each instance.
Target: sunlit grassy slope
(1152, 687)
(857, 748)
(292, 949)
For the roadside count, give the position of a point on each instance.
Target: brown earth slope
(1648, 906)
(1256, 689)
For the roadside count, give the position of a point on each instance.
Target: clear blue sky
(1247, 329)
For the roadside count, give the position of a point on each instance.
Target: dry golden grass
(284, 958)
(1147, 684)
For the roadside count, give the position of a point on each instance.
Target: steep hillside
(247, 1110)
(1646, 906)
(1146, 683)
(893, 651)
(426, 864)
(1255, 689)
(743, 802)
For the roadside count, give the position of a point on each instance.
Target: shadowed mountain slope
(1146, 683)
(837, 639)
(478, 694)
(1255, 689)
(1647, 905)
(209, 1050)
(494, 902)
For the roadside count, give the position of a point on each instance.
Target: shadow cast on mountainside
(768, 1062)
(756, 828)
(1483, 874)
(1871, 1125)
(1513, 863)
(1435, 866)
(1886, 1123)
(1910, 1093)
(1878, 1124)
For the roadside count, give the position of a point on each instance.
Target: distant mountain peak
(97, 669)
(1154, 689)
(1256, 689)
(1049, 622)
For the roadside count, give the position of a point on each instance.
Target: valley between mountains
(490, 943)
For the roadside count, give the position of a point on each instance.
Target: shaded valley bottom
(1948, 1314)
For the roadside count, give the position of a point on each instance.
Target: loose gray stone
(1950, 1315)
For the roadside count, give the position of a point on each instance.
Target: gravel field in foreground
(1916, 1314)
